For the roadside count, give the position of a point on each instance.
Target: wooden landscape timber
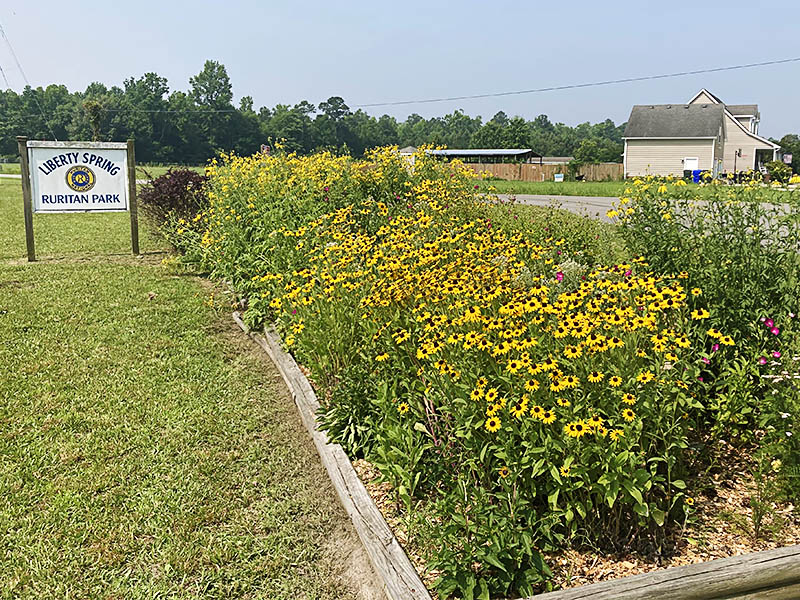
(400, 580)
(768, 575)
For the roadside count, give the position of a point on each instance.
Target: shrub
(177, 195)
(779, 171)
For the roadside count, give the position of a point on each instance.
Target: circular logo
(80, 178)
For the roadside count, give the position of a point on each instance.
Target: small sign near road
(69, 177)
(78, 176)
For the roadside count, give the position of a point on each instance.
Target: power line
(3, 73)
(22, 72)
(583, 85)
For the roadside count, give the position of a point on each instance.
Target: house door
(691, 164)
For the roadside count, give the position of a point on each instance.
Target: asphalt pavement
(586, 206)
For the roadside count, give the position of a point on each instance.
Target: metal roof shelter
(490, 155)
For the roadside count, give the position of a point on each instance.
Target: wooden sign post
(65, 177)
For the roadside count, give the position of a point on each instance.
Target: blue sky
(284, 52)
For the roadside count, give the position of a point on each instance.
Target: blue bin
(696, 175)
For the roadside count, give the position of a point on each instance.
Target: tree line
(191, 127)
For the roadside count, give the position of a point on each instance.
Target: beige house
(706, 133)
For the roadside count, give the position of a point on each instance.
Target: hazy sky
(284, 52)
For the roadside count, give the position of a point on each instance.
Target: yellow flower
(628, 414)
(504, 471)
(564, 471)
(548, 417)
(403, 408)
(576, 429)
(629, 399)
(615, 381)
(562, 402)
(492, 424)
(616, 434)
(531, 385)
(645, 377)
(537, 411)
(382, 357)
(595, 376)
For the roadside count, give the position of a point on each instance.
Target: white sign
(558, 177)
(78, 176)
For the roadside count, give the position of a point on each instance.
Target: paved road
(587, 206)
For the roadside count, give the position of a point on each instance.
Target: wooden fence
(534, 172)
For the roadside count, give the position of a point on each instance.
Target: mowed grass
(550, 188)
(145, 450)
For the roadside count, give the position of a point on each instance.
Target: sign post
(22, 142)
(132, 199)
(65, 177)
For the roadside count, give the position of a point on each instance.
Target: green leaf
(658, 516)
(680, 484)
(552, 499)
(484, 593)
(635, 493)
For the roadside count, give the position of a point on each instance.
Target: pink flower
(700, 379)
(476, 187)
(705, 360)
(769, 322)
(776, 354)
(762, 360)
(559, 276)
(715, 347)
(559, 252)
(628, 273)
(775, 331)
(325, 188)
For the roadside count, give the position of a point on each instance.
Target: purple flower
(628, 273)
(715, 347)
(294, 311)
(325, 188)
(776, 354)
(762, 360)
(559, 276)
(769, 322)
(476, 187)
(700, 379)
(705, 360)
(559, 252)
(775, 331)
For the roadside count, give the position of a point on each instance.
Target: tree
(211, 87)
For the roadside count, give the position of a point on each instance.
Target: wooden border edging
(768, 575)
(400, 579)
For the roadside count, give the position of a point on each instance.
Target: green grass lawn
(145, 450)
(566, 188)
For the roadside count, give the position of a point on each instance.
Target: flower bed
(517, 399)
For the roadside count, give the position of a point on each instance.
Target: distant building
(491, 155)
(556, 160)
(706, 133)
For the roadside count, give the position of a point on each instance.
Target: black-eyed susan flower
(564, 471)
(576, 429)
(382, 357)
(491, 395)
(616, 434)
(615, 381)
(629, 399)
(595, 377)
(645, 377)
(403, 408)
(628, 414)
(548, 416)
(504, 471)
(492, 424)
(562, 402)
(532, 385)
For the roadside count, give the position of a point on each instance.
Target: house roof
(742, 109)
(675, 121)
(486, 152)
(408, 150)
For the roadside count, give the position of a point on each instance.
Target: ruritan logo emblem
(80, 178)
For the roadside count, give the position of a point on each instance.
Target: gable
(705, 97)
(675, 121)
